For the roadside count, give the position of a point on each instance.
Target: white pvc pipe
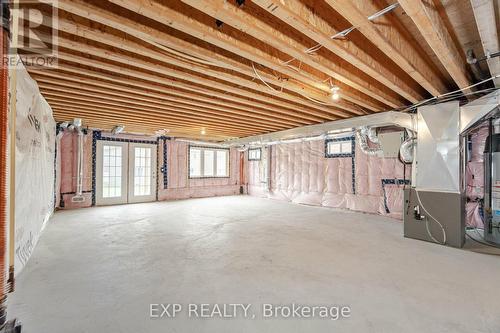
(79, 173)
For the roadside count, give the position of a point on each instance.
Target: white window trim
(339, 143)
(202, 162)
(255, 149)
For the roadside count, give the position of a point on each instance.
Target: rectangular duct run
(438, 148)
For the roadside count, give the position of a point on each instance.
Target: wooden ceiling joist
(107, 122)
(165, 64)
(184, 23)
(196, 93)
(156, 38)
(429, 23)
(160, 58)
(131, 97)
(251, 25)
(386, 35)
(172, 111)
(297, 15)
(486, 20)
(101, 110)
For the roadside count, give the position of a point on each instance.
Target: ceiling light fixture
(335, 93)
(203, 131)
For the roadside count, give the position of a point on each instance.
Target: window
(142, 171)
(342, 147)
(112, 172)
(254, 154)
(205, 162)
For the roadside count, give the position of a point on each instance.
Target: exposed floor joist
(263, 67)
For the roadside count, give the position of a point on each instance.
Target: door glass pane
(194, 162)
(222, 163)
(142, 171)
(208, 163)
(112, 172)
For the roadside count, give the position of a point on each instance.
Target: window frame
(340, 141)
(202, 161)
(255, 159)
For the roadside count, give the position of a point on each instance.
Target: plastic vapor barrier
(303, 173)
(35, 148)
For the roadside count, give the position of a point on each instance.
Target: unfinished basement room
(249, 166)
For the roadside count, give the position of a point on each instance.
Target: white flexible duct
(408, 147)
(362, 139)
(372, 135)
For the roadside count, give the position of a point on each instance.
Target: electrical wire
(414, 106)
(427, 222)
(345, 32)
(260, 78)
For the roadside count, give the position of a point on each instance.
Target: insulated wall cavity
(303, 173)
(180, 186)
(173, 182)
(67, 151)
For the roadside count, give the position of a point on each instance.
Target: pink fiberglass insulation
(67, 151)
(475, 178)
(301, 173)
(181, 187)
(179, 184)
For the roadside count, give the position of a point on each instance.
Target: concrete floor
(99, 269)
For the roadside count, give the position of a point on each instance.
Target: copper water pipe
(4, 119)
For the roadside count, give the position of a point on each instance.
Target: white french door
(142, 172)
(125, 173)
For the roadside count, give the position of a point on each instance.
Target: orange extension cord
(3, 171)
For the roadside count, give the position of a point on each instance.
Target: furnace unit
(492, 188)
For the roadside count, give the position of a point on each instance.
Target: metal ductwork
(365, 134)
(406, 152)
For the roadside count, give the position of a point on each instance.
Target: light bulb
(335, 96)
(203, 131)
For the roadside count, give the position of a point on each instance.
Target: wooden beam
(126, 45)
(62, 114)
(256, 28)
(159, 69)
(300, 17)
(131, 98)
(167, 111)
(252, 53)
(484, 13)
(184, 23)
(194, 92)
(429, 23)
(387, 36)
(211, 57)
(96, 112)
(142, 114)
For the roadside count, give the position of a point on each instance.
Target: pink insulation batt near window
(179, 184)
(301, 173)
